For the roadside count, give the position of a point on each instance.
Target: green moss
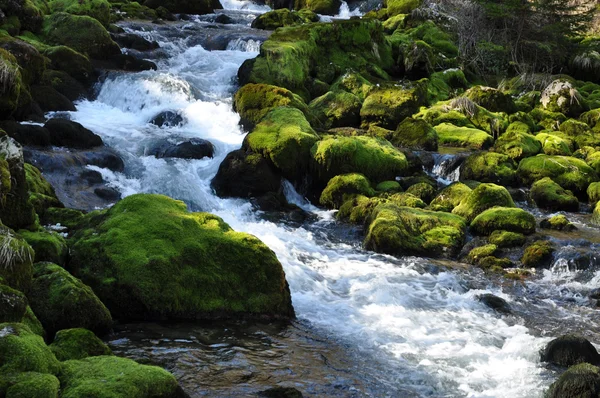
(558, 222)
(415, 134)
(98, 9)
(483, 197)
(36, 182)
(553, 144)
(584, 152)
(394, 22)
(340, 186)
(66, 59)
(579, 381)
(336, 109)
(491, 99)
(68, 218)
(561, 96)
(13, 304)
(502, 238)
(285, 137)
(424, 191)
(549, 195)
(325, 7)
(135, 10)
(16, 263)
(503, 218)
(489, 167)
(29, 385)
(445, 84)
(538, 254)
(354, 83)
(12, 25)
(596, 215)
(12, 84)
(450, 197)
(254, 101)
(396, 7)
(34, 324)
(62, 301)
(580, 133)
(479, 253)
(358, 209)
(196, 7)
(405, 231)
(593, 192)
(82, 33)
(23, 351)
(387, 107)
(464, 137)
(407, 199)
(77, 344)
(570, 173)
(377, 159)
(147, 257)
(593, 160)
(110, 376)
(517, 145)
(48, 246)
(388, 186)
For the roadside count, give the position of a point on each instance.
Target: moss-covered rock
(558, 222)
(110, 376)
(389, 187)
(503, 218)
(415, 134)
(23, 351)
(395, 7)
(578, 381)
(82, 33)
(464, 137)
(32, 63)
(502, 238)
(254, 101)
(517, 145)
(336, 109)
(422, 190)
(377, 159)
(538, 254)
(73, 63)
(489, 167)
(549, 195)
(61, 301)
(445, 84)
(477, 254)
(33, 323)
(197, 7)
(67, 218)
(405, 231)
(561, 96)
(98, 9)
(285, 137)
(491, 99)
(580, 133)
(77, 343)
(570, 173)
(340, 186)
(450, 197)
(13, 304)
(41, 193)
(353, 82)
(17, 258)
(283, 17)
(148, 258)
(387, 107)
(483, 197)
(569, 350)
(48, 246)
(596, 215)
(12, 84)
(407, 199)
(593, 192)
(554, 144)
(357, 209)
(29, 385)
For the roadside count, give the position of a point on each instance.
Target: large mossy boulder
(538, 254)
(196, 7)
(491, 99)
(75, 64)
(283, 17)
(13, 304)
(41, 193)
(61, 301)
(254, 101)
(554, 144)
(450, 197)
(110, 376)
(517, 145)
(285, 138)
(503, 239)
(395, 7)
(82, 33)
(47, 245)
(77, 343)
(12, 84)
(490, 167)
(483, 197)
(98, 9)
(336, 109)
(463, 137)
(579, 381)
(569, 172)
(415, 134)
(294, 57)
(561, 96)
(29, 385)
(376, 159)
(21, 350)
(409, 231)
(325, 7)
(340, 186)
(147, 257)
(32, 64)
(569, 350)
(387, 107)
(503, 218)
(549, 195)
(16, 262)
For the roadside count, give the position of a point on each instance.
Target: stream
(368, 325)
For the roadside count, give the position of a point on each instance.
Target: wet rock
(559, 222)
(51, 100)
(224, 19)
(125, 62)
(496, 303)
(13, 304)
(196, 148)
(578, 381)
(569, 350)
(91, 176)
(280, 392)
(109, 194)
(71, 134)
(538, 254)
(168, 119)
(135, 42)
(26, 134)
(66, 85)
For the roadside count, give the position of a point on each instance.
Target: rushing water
(369, 325)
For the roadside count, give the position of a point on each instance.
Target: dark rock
(133, 41)
(281, 392)
(595, 294)
(133, 64)
(496, 303)
(569, 350)
(27, 134)
(51, 100)
(168, 119)
(196, 148)
(196, 7)
(245, 175)
(13, 304)
(65, 84)
(91, 176)
(108, 193)
(579, 381)
(71, 134)
(224, 19)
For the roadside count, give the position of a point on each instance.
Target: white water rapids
(423, 323)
